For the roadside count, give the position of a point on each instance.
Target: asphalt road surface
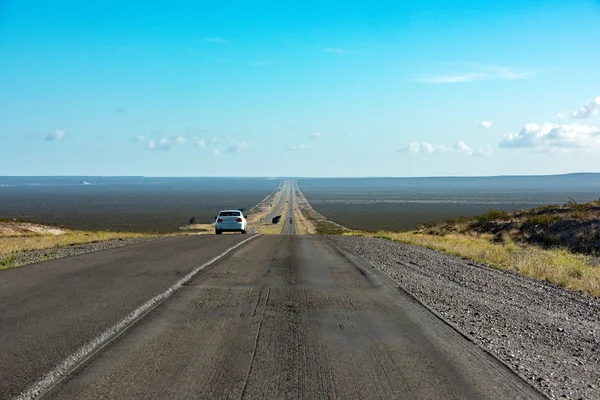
(50, 309)
(289, 228)
(278, 317)
(279, 206)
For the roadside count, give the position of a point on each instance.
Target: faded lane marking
(54, 377)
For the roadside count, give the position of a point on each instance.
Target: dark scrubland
(403, 204)
(159, 205)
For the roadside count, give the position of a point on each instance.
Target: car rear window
(230, 214)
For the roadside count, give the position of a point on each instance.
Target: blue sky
(311, 88)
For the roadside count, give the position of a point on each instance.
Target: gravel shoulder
(31, 257)
(548, 335)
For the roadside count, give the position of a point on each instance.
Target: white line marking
(53, 377)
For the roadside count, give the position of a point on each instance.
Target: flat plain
(126, 203)
(401, 204)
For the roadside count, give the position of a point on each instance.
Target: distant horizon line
(304, 177)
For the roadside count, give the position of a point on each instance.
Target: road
(289, 228)
(280, 316)
(48, 310)
(279, 206)
(286, 202)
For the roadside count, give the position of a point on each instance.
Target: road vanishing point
(232, 317)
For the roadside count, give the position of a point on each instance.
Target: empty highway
(278, 317)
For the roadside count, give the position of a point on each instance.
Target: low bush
(493, 215)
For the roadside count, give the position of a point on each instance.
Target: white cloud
(216, 152)
(486, 124)
(178, 139)
(568, 137)
(140, 139)
(459, 148)
(162, 144)
(485, 72)
(331, 50)
(165, 143)
(297, 148)
(460, 78)
(237, 147)
(316, 135)
(201, 143)
(587, 110)
(213, 140)
(55, 136)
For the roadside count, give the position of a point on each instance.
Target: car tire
(244, 232)
(217, 232)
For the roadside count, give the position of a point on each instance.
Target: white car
(231, 221)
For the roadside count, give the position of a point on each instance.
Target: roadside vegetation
(19, 237)
(573, 226)
(316, 223)
(556, 243)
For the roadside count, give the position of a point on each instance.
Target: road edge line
(82, 354)
(434, 312)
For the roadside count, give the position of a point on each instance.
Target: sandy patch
(24, 228)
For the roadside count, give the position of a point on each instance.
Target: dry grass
(317, 223)
(557, 266)
(262, 209)
(303, 225)
(198, 229)
(16, 244)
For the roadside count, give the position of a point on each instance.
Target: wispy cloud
(262, 63)
(316, 135)
(214, 39)
(486, 72)
(459, 78)
(587, 110)
(297, 148)
(331, 50)
(237, 147)
(201, 143)
(459, 148)
(486, 124)
(55, 136)
(216, 152)
(544, 137)
(140, 139)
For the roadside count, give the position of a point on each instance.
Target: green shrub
(493, 215)
(578, 206)
(577, 214)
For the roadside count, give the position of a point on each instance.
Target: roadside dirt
(24, 228)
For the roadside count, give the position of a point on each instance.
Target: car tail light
(219, 220)
(239, 220)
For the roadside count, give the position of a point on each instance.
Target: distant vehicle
(231, 221)
(291, 222)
